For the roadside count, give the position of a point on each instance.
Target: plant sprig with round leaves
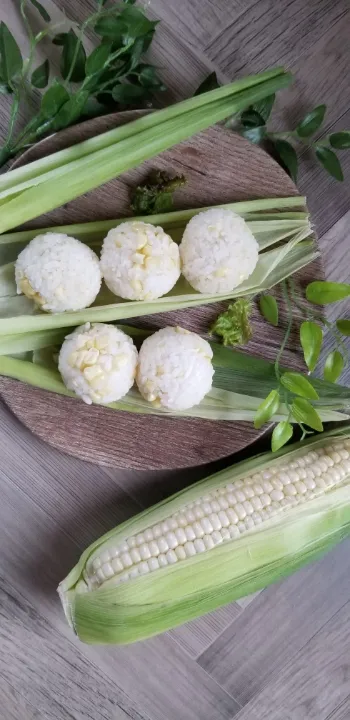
(293, 388)
(252, 124)
(114, 75)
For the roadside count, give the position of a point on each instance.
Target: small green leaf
(340, 140)
(127, 94)
(40, 76)
(311, 337)
(269, 309)
(267, 409)
(98, 58)
(148, 77)
(324, 293)
(137, 23)
(303, 412)
(70, 111)
(343, 326)
(330, 162)
(251, 118)
(288, 156)
(43, 12)
(311, 122)
(233, 325)
(264, 107)
(10, 55)
(111, 27)
(73, 54)
(59, 39)
(299, 385)
(209, 83)
(333, 366)
(281, 434)
(255, 135)
(53, 100)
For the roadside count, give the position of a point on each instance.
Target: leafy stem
(287, 332)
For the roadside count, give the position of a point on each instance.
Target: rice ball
(98, 362)
(175, 371)
(139, 261)
(58, 272)
(218, 251)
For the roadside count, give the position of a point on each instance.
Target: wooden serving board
(220, 167)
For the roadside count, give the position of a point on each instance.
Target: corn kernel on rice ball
(58, 273)
(218, 251)
(98, 362)
(139, 261)
(175, 371)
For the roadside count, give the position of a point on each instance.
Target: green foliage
(233, 325)
(155, 195)
(324, 292)
(267, 409)
(252, 125)
(306, 414)
(112, 75)
(333, 366)
(299, 385)
(281, 434)
(269, 309)
(311, 337)
(40, 76)
(311, 122)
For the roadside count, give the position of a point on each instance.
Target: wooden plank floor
(283, 654)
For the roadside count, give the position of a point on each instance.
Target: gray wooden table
(282, 655)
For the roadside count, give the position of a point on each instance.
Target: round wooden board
(220, 167)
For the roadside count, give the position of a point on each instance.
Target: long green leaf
(272, 267)
(105, 140)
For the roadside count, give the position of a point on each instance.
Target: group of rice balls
(139, 261)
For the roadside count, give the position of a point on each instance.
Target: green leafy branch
(252, 124)
(113, 75)
(295, 384)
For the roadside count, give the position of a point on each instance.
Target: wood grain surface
(284, 652)
(220, 167)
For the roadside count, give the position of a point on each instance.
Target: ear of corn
(231, 534)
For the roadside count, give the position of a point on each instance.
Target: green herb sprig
(293, 388)
(113, 75)
(156, 194)
(252, 124)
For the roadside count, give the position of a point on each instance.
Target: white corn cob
(220, 515)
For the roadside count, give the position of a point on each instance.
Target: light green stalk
(87, 173)
(34, 170)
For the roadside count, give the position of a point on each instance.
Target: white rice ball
(139, 261)
(175, 371)
(58, 272)
(218, 251)
(98, 362)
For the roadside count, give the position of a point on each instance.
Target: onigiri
(175, 371)
(98, 363)
(218, 251)
(139, 261)
(58, 273)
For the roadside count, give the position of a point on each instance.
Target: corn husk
(285, 246)
(153, 603)
(240, 382)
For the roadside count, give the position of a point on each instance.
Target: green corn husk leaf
(77, 177)
(273, 266)
(34, 170)
(170, 596)
(234, 370)
(239, 384)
